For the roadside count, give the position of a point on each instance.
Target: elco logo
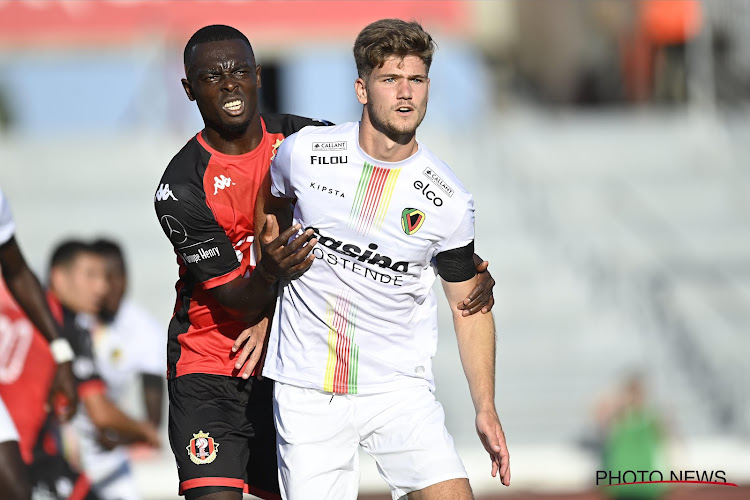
(163, 193)
(424, 188)
(222, 182)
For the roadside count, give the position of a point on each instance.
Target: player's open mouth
(404, 110)
(234, 107)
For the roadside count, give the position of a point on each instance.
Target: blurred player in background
(78, 285)
(128, 350)
(352, 339)
(30, 365)
(131, 350)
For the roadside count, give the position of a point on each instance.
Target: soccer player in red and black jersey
(220, 420)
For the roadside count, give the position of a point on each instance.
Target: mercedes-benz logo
(174, 229)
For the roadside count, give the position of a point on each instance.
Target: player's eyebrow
(399, 75)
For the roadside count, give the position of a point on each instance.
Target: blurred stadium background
(607, 144)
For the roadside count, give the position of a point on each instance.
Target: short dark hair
(212, 33)
(391, 37)
(109, 249)
(66, 252)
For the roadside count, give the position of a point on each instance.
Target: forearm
(246, 299)
(106, 416)
(476, 346)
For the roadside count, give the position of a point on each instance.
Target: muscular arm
(25, 288)
(276, 257)
(476, 345)
(247, 298)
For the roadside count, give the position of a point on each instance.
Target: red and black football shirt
(205, 203)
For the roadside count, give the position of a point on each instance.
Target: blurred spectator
(78, 285)
(654, 52)
(633, 439)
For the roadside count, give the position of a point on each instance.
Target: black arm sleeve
(457, 264)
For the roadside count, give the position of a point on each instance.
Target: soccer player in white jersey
(352, 339)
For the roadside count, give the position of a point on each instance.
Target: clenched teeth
(233, 105)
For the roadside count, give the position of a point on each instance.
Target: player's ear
(258, 82)
(188, 89)
(360, 90)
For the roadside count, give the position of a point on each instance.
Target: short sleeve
(281, 169)
(7, 226)
(197, 238)
(463, 234)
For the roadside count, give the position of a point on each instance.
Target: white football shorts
(319, 434)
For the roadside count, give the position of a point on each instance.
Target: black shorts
(222, 435)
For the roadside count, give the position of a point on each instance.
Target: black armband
(457, 264)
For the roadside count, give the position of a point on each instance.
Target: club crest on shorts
(411, 220)
(202, 448)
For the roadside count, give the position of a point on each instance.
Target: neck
(235, 142)
(382, 145)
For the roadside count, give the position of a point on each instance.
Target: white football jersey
(7, 226)
(363, 318)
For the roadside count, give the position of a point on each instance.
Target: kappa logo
(329, 146)
(222, 182)
(164, 193)
(411, 220)
(434, 177)
(202, 448)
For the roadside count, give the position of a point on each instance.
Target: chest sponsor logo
(222, 182)
(426, 189)
(411, 220)
(164, 193)
(328, 190)
(439, 182)
(174, 229)
(201, 254)
(328, 160)
(329, 146)
(202, 448)
(378, 267)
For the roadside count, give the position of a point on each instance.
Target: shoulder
(183, 176)
(286, 124)
(330, 138)
(441, 175)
